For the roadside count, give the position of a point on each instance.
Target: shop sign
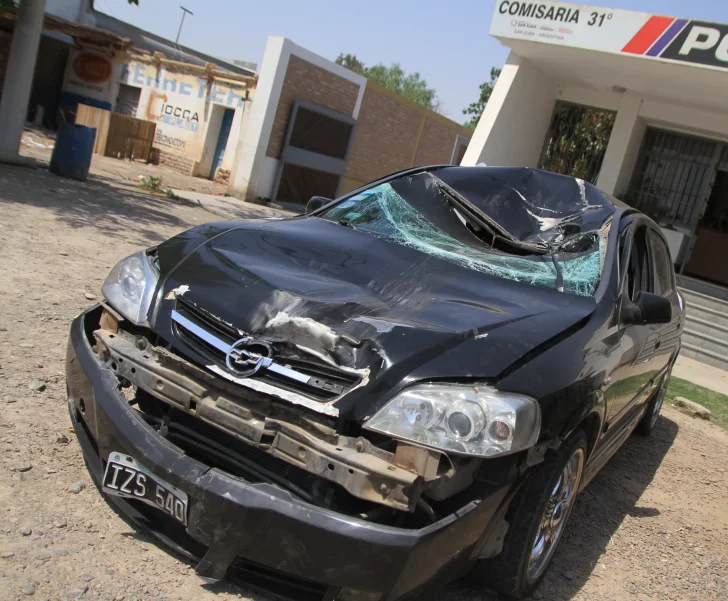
(615, 31)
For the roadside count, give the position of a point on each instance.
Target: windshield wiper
(557, 267)
(463, 210)
(475, 216)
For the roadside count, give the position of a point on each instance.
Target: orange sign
(91, 68)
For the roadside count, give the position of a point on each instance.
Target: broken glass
(414, 212)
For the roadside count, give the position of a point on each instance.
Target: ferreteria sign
(615, 31)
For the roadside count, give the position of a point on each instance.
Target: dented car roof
(528, 202)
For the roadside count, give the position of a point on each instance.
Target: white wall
(697, 121)
(609, 101)
(634, 115)
(623, 148)
(513, 126)
(252, 145)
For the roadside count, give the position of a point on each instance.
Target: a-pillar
(623, 147)
(513, 126)
(18, 80)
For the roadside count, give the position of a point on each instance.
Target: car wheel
(537, 519)
(649, 419)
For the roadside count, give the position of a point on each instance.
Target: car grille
(326, 382)
(218, 449)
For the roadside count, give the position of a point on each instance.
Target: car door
(667, 336)
(630, 380)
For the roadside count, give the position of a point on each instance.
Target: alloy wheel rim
(555, 516)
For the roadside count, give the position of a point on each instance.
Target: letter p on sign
(700, 38)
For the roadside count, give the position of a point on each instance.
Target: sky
(446, 41)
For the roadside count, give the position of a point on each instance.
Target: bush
(152, 184)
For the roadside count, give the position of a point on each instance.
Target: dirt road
(652, 525)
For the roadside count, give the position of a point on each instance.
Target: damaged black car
(400, 387)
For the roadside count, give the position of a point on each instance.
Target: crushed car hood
(363, 302)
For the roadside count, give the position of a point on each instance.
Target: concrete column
(513, 126)
(253, 175)
(19, 78)
(623, 148)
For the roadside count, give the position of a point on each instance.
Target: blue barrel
(72, 153)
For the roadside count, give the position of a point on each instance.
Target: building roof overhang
(657, 57)
(82, 34)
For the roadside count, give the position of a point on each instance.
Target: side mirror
(316, 203)
(647, 309)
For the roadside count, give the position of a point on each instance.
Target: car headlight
(468, 420)
(129, 288)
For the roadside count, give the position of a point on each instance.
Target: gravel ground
(652, 525)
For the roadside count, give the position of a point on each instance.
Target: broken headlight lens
(468, 420)
(129, 288)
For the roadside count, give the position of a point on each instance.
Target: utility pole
(18, 80)
(182, 22)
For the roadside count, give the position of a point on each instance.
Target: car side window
(662, 263)
(638, 271)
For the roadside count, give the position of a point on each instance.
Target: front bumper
(262, 531)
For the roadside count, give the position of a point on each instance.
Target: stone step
(703, 300)
(703, 287)
(715, 326)
(696, 311)
(715, 359)
(705, 342)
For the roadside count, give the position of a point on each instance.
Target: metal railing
(673, 176)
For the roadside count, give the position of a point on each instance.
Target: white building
(634, 102)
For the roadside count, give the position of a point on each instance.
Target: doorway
(222, 140)
(314, 154)
(711, 244)
(127, 101)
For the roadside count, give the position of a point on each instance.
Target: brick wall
(178, 162)
(436, 144)
(394, 133)
(385, 136)
(305, 81)
(5, 38)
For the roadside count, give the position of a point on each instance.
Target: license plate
(125, 477)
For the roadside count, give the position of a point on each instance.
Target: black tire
(654, 405)
(508, 572)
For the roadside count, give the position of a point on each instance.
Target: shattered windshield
(417, 211)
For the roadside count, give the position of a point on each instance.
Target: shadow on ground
(612, 496)
(102, 204)
(94, 203)
(606, 502)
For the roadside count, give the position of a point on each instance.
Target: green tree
(577, 141)
(475, 109)
(350, 62)
(394, 78)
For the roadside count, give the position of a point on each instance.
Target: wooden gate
(117, 135)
